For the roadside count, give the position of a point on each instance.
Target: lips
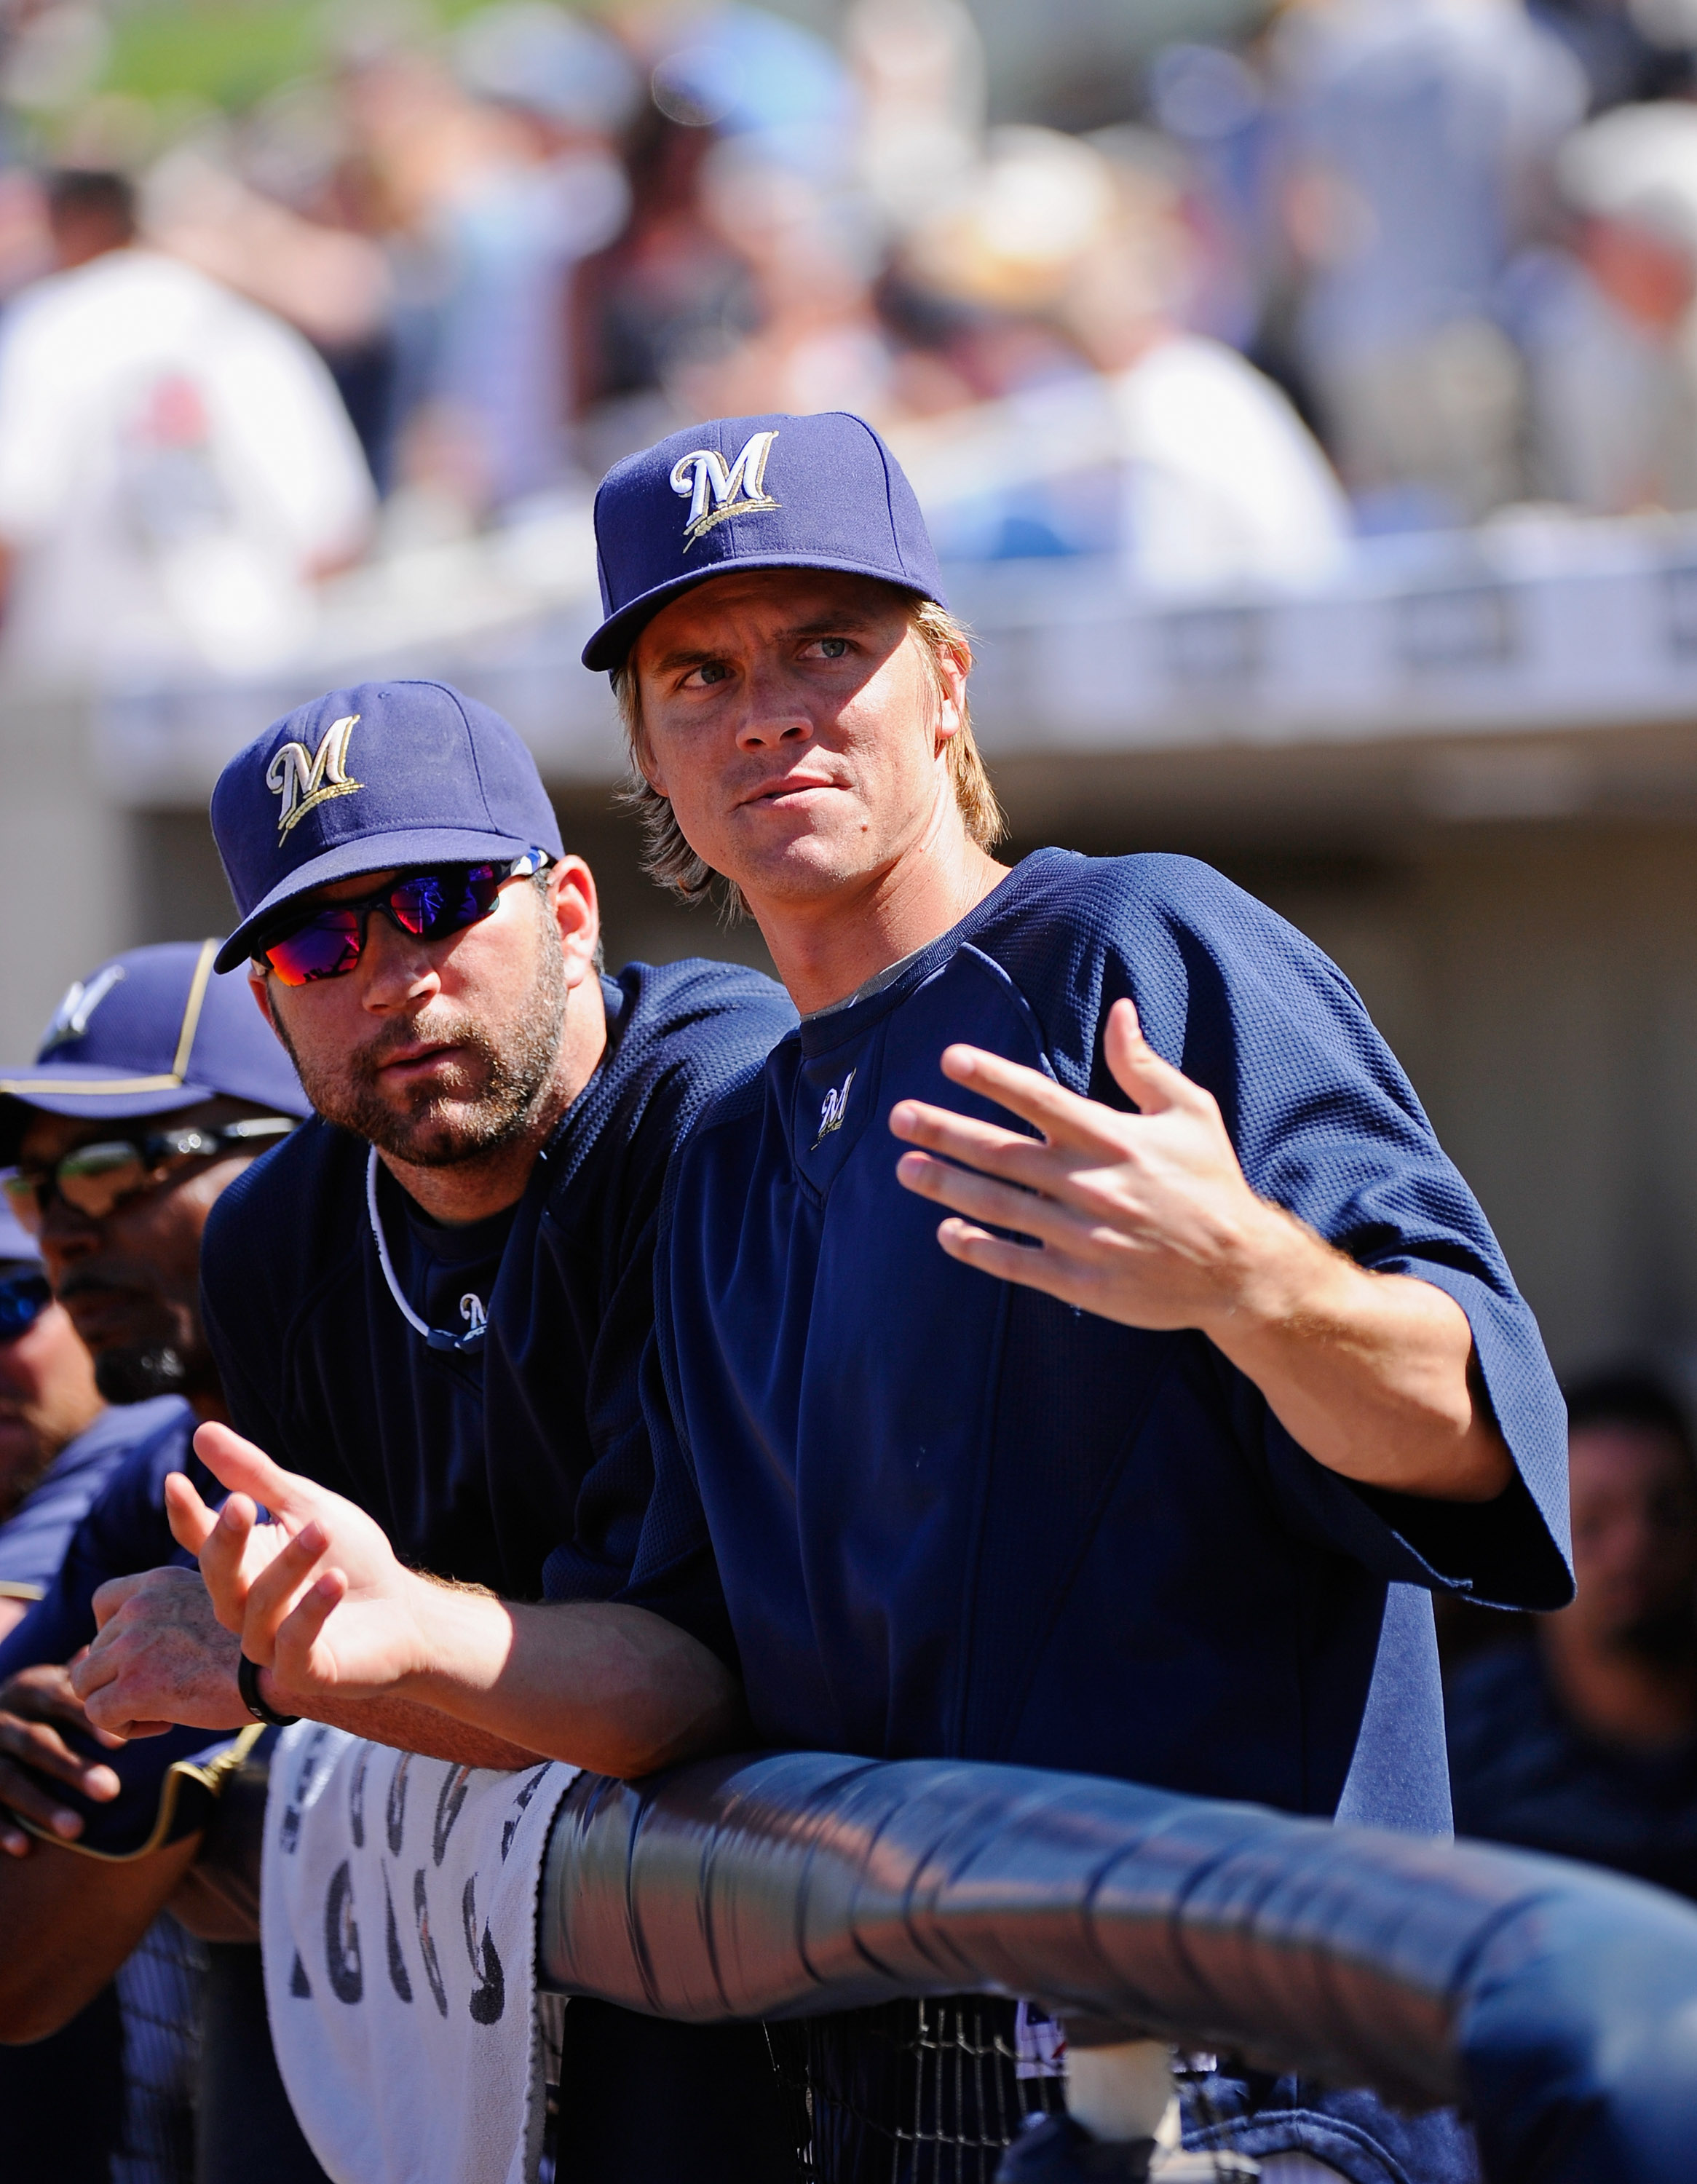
(791, 786)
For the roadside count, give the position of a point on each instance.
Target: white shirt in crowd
(174, 464)
(1212, 478)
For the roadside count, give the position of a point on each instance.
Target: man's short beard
(137, 1373)
(439, 1132)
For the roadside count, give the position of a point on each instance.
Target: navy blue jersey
(931, 1513)
(125, 1531)
(479, 1465)
(34, 1538)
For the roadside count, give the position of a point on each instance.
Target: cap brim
(370, 853)
(608, 647)
(88, 1095)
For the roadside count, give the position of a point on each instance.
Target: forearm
(1373, 1374)
(613, 1689)
(69, 1922)
(406, 1723)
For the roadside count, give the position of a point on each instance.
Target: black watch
(248, 1683)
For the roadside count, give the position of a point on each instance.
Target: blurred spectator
(551, 193)
(1607, 326)
(1629, 49)
(1420, 138)
(1214, 478)
(176, 466)
(1583, 1739)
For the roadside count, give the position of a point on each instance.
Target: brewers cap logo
(305, 779)
(714, 494)
(70, 1017)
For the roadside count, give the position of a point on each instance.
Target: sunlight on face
(790, 717)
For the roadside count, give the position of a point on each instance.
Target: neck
(825, 949)
(472, 1189)
(1623, 1693)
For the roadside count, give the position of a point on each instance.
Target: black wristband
(248, 1683)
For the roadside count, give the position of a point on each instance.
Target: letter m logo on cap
(700, 477)
(305, 779)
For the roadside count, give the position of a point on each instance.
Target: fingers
(244, 1469)
(1009, 1262)
(222, 1555)
(277, 1591)
(26, 1780)
(191, 1520)
(1150, 1083)
(1063, 1118)
(997, 1204)
(1007, 1153)
(109, 1597)
(294, 1664)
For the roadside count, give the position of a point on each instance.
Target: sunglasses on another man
(24, 1297)
(96, 1179)
(429, 904)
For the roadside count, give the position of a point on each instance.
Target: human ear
(574, 909)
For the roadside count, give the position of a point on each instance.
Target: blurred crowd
(1368, 267)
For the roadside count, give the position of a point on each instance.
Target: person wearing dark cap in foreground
(437, 1299)
(154, 1088)
(57, 1440)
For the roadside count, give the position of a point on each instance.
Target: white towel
(398, 1909)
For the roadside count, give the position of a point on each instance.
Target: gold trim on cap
(20, 1088)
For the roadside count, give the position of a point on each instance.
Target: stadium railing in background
(1556, 2004)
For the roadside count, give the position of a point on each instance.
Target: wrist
(1276, 1273)
(465, 1636)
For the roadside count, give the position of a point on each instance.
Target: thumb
(1138, 1071)
(244, 1469)
(191, 1520)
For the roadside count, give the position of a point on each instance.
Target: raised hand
(36, 1705)
(159, 1657)
(316, 1594)
(1145, 1218)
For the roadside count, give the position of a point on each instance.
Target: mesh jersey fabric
(931, 1514)
(479, 1466)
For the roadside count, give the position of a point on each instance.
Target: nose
(770, 714)
(395, 970)
(67, 1236)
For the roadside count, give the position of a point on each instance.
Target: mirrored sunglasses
(23, 1299)
(96, 1177)
(430, 905)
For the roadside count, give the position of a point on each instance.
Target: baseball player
(1146, 1461)
(154, 1087)
(436, 1300)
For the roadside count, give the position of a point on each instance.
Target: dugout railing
(1556, 2004)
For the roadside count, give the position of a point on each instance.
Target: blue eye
(834, 648)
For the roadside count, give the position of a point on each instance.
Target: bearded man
(436, 1299)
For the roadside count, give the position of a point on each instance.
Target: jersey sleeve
(1327, 1125)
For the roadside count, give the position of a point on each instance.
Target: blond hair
(667, 857)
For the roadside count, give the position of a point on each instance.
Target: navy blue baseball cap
(752, 493)
(385, 774)
(145, 1033)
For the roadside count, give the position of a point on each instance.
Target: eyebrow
(843, 625)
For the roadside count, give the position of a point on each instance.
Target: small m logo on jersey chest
(305, 779)
(831, 1115)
